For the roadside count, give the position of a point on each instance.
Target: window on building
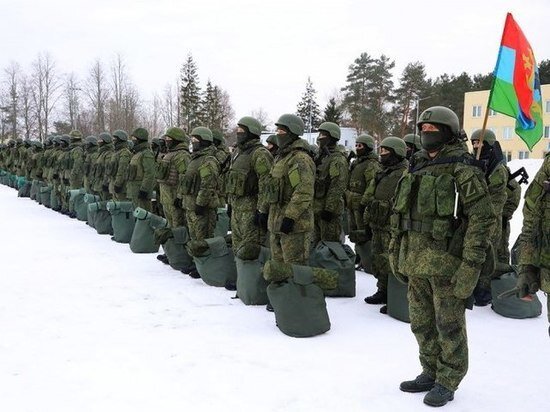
(507, 132)
(546, 131)
(476, 111)
(492, 112)
(508, 156)
(547, 106)
(523, 155)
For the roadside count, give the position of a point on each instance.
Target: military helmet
(292, 123)
(140, 133)
(331, 128)
(488, 137)
(176, 133)
(19, 140)
(204, 133)
(272, 138)
(413, 139)
(440, 115)
(75, 135)
(397, 144)
(91, 140)
(105, 137)
(367, 140)
(217, 136)
(37, 144)
(65, 138)
(253, 125)
(121, 135)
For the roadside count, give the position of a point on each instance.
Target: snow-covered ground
(86, 325)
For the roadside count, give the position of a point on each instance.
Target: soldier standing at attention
(142, 171)
(120, 162)
(440, 233)
(378, 201)
(102, 165)
(330, 185)
(413, 144)
(271, 144)
(290, 194)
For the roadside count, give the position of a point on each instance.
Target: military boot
(422, 383)
(482, 296)
(439, 395)
(378, 298)
(163, 258)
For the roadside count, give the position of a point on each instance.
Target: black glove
(143, 195)
(200, 210)
(56, 176)
(260, 220)
(177, 203)
(65, 181)
(118, 189)
(229, 211)
(105, 188)
(326, 215)
(368, 234)
(287, 225)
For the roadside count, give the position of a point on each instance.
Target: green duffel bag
(222, 223)
(398, 303)
(24, 188)
(174, 248)
(298, 302)
(13, 181)
(506, 303)
(55, 201)
(122, 219)
(88, 200)
(143, 237)
(338, 257)
(77, 204)
(45, 195)
(251, 285)
(101, 218)
(215, 262)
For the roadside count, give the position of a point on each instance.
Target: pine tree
(308, 109)
(190, 94)
(332, 112)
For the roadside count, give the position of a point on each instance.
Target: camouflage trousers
(380, 259)
(244, 233)
(355, 219)
(175, 216)
(329, 231)
(503, 248)
(201, 227)
(439, 325)
(143, 203)
(291, 248)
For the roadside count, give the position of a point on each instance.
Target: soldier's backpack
(24, 187)
(222, 223)
(398, 303)
(122, 219)
(45, 195)
(89, 199)
(143, 237)
(101, 218)
(173, 243)
(298, 299)
(77, 203)
(251, 285)
(214, 261)
(511, 306)
(339, 257)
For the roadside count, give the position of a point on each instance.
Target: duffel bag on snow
(363, 248)
(251, 285)
(173, 241)
(35, 186)
(88, 200)
(24, 187)
(143, 237)
(510, 306)
(398, 303)
(222, 223)
(122, 219)
(101, 218)
(77, 204)
(297, 297)
(45, 195)
(339, 257)
(214, 260)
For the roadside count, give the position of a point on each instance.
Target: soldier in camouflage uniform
(271, 144)
(62, 164)
(171, 171)
(290, 193)
(101, 166)
(441, 232)
(378, 201)
(331, 179)
(35, 161)
(142, 171)
(158, 146)
(74, 171)
(200, 186)
(119, 165)
(496, 176)
(246, 189)
(46, 156)
(224, 159)
(91, 152)
(413, 144)
(534, 240)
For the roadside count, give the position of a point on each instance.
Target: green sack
(251, 285)
(222, 223)
(55, 201)
(24, 188)
(174, 248)
(100, 217)
(89, 199)
(143, 237)
(217, 265)
(45, 195)
(76, 203)
(122, 219)
(398, 303)
(299, 305)
(364, 250)
(338, 257)
(512, 306)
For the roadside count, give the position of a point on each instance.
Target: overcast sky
(262, 52)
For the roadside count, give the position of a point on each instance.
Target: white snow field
(86, 325)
